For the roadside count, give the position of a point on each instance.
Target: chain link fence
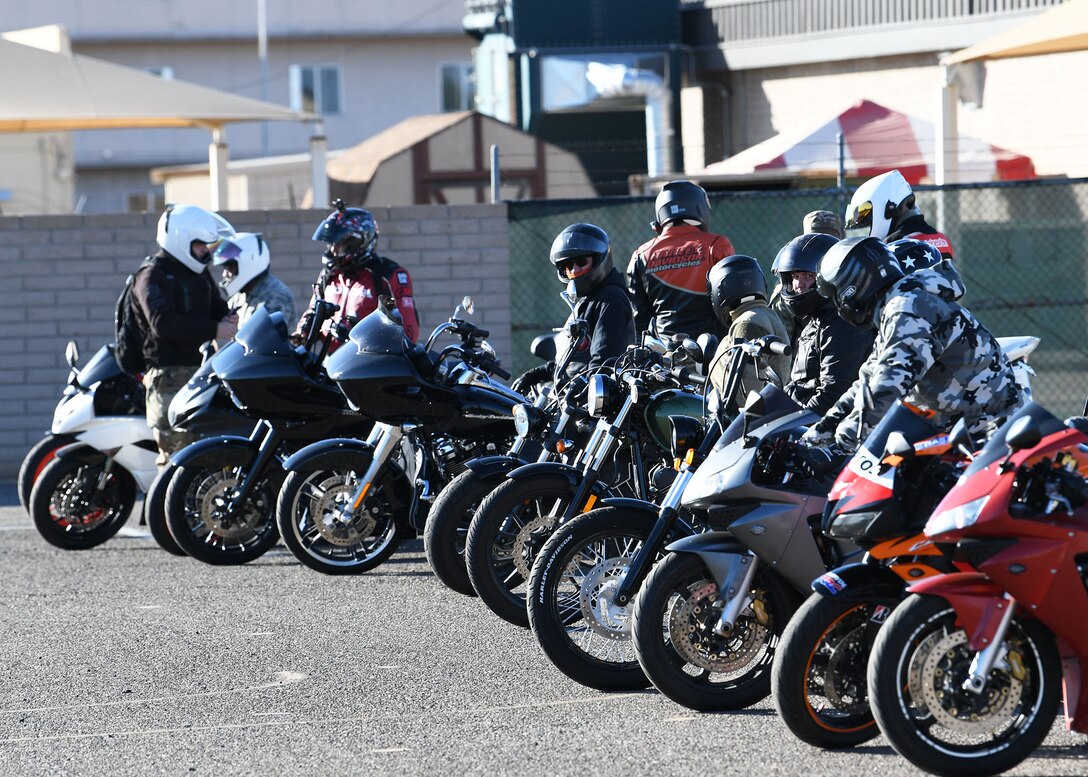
(1021, 249)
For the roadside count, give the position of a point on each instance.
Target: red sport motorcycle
(964, 677)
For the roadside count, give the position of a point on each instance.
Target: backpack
(129, 348)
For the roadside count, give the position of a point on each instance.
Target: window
(150, 201)
(456, 83)
(315, 88)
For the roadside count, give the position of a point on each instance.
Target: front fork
(266, 449)
(384, 439)
(983, 662)
(734, 590)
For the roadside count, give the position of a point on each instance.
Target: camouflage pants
(162, 383)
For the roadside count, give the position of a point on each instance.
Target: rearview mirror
(898, 445)
(709, 345)
(71, 354)
(543, 347)
(960, 439)
(1023, 434)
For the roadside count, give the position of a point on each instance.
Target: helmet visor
(575, 266)
(859, 222)
(227, 251)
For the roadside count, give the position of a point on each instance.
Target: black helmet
(853, 273)
(802, 254)
(350, 236)
(733, 281)
(582, 253)
(914, 255)
(681, 200)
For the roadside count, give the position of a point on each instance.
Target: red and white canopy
(876, 140)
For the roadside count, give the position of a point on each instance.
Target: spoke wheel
(76, 505)
(315, 526)
(916, 675)
(675, 614)
(572, 607)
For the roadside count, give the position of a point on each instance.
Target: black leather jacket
(828, 353)
(611, 324)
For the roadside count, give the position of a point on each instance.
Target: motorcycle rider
(582, 257)
(818, 221)
(885, 207)
(177, 308)
(737, 289)
(667, 275)
(354, 276)
(247, 280)
(929, 350)
(827, 351)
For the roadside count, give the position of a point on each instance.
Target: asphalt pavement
(124, 660)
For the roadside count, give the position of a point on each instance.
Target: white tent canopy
(50, 91)
(1060, 29)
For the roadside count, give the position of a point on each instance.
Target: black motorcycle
(346, 503)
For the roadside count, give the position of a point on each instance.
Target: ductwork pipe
(623, 81)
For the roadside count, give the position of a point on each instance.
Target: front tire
(512, 523)
(571, 611)
(76, 505)
(313, 528)
(675, 612)
(818, 676)
(196, 499)
(916, 673)
(37, 459)
(447, 527)
(155, 511)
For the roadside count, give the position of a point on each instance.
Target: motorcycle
(87, 473)
(586, 575)
(624, 456)
(540, 428)
(965, 675)
(710, 615)
(221, 497)
(346, 504)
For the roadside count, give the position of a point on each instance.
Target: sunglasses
(574, 262)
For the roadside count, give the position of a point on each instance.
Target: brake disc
(531, 537)
(844, 676)
(691, 630)
(328, 512)
(938, 669)
(213, 507)
(596, 596)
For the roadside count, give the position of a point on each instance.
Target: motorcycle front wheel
(155, 511)
(197, 515)
(818, 677)
(321, 533)
(76, 505)
(571, 598)
(36, 459)
(511, 524)
(447, 527)
(916, 675)
(675, 613)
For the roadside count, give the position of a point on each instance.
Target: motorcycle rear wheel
(76, 506)
(571, 612)
(197, 493)
(308, 515)
(155, 511)
(916, 672)
(818, 676)
(509, 526)
(678, 601)
(447, 527)
(36, 459)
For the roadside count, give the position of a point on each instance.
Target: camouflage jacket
(931, 352)
(751, 320)
(270, 290)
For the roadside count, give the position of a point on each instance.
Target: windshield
(264, 333)
(773, 404)
(996, 450)
(378, 333)
(903, 420)
(101, 366)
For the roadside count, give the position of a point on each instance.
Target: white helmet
(877, 205)
(249, 253)
(180, 225)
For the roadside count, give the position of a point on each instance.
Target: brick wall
(61, 276)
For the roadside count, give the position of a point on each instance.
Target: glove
(816, 461)
(814, 437)
(539, 374)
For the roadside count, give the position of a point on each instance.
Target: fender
(489, 466)
(81, 453)
(338, 453)
(222, 443)
(725, 558)
(627, 503)
(979, 603)
(860, 582)
(573, 474)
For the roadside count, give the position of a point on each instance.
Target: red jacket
(356, 292)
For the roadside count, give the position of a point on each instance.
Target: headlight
(527, 420)
(599, 395)
(955, 518)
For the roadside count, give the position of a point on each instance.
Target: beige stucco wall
(36, 169)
